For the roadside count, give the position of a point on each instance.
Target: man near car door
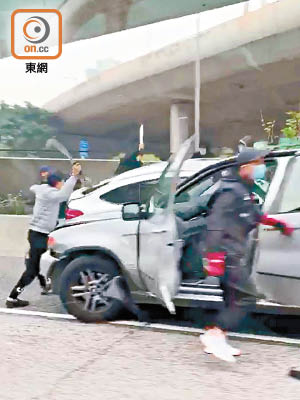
(45, 213)
(233, 215)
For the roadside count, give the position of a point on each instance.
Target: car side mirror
(131, 212)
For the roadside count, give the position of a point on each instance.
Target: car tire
(70, 279)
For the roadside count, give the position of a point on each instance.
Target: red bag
(214, 263)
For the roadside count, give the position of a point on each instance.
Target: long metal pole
(197, 88)
(197, 105)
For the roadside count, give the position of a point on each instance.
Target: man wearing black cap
(45, 170)
(233, 215)
(45, 213)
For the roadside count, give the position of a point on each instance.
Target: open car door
(278, 256)
(160, 246)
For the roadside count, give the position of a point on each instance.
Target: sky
(85, 58)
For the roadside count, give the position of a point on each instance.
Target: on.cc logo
(36, 34)
(39, 29)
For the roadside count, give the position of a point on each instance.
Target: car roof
(188, 165)
(194, 164)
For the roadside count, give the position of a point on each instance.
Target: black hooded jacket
(232, 215)
(128, 163)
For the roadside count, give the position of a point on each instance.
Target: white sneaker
(234, 351)
(214, 342)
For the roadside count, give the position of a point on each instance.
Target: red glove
(214, 263)
(285, 229)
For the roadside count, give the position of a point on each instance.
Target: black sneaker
(46, 287)
(14, 303)
(45, 291)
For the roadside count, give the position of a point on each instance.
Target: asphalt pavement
(11, 269)
(44, 359)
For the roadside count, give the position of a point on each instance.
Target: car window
(202, 187)
(194, 199)
(160, 192)
(124, 194)
(134, 193)
(94, 188)
(290, 195)
(146, 190)
(261, 186)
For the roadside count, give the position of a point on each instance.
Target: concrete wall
(20, 173)
(13, 235)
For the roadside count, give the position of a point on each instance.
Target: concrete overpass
(247, 64)
(90, 18)
(125, 14)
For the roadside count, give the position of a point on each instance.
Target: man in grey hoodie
(45, 214)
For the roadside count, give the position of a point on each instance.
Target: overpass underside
(260, 74)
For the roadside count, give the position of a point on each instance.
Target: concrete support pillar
(181, 119)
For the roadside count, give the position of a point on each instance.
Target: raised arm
(65, 192)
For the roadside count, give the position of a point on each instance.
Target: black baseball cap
(248, 155)
(54, 178)
(44, 168)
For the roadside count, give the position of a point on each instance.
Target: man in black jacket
(134, 160)
(233, 215)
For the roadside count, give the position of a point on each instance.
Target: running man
(233, 215)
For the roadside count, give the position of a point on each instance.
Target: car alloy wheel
(90, 290)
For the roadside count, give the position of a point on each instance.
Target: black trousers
(38, 246)
(239, 297)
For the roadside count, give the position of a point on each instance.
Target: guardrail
(18, 174)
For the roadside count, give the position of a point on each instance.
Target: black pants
(38, 246)
(239, 297)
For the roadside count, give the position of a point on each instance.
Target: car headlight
(51, 242)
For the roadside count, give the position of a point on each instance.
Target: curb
(272, 340)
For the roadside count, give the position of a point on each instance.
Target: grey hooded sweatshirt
(46, 207)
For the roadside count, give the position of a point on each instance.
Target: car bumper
(46, 263)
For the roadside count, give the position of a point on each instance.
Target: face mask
(259, 172)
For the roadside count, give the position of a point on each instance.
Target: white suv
(150, 245)
(131, 186)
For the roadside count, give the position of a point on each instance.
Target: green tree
(24, 129)
(292, 125)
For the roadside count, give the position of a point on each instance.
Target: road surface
(11, 269)
(44, 359)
